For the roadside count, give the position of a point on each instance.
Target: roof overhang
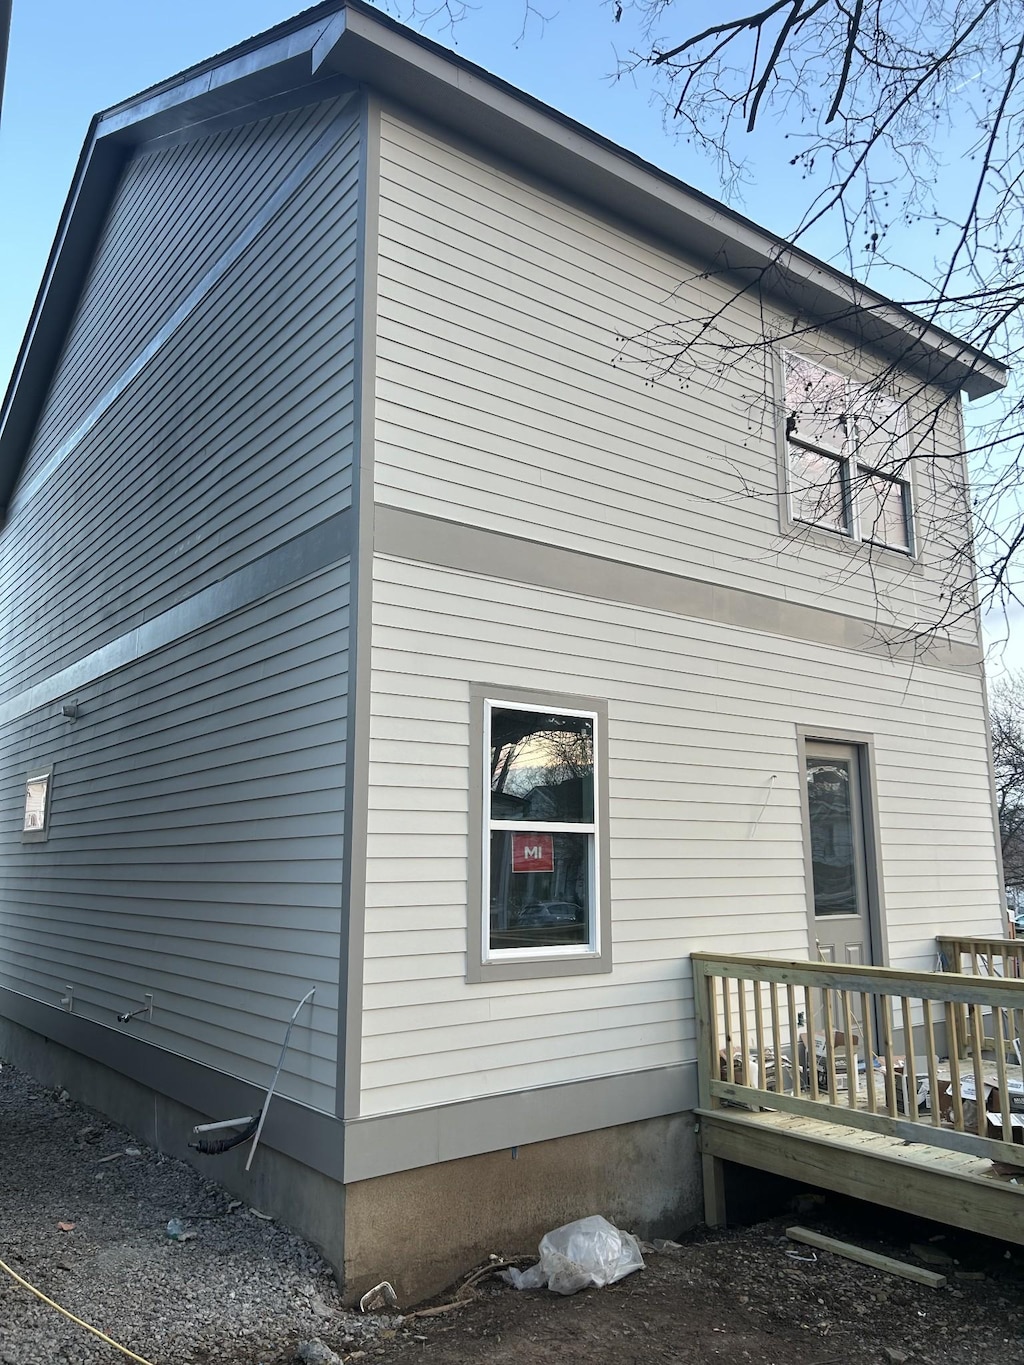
(304, 58)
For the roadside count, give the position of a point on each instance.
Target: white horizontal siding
(195, 847)
(505, 397)
(701, 717)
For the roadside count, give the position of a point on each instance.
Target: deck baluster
(830, 1052)
(888, 1057)
(933, 1079)
(811, 1047)
(956, 1099)
(977, 1049)
(773, 1000)
(851, 1051)
(910, 1064)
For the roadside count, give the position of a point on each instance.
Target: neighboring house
(369, 624)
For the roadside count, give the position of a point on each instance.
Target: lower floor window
(542, 885)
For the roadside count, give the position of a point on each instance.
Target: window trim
(516, 964)
(853, 466)
(35, 774)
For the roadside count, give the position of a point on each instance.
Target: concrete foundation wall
(422, 1228)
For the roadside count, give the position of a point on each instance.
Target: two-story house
(372, 622)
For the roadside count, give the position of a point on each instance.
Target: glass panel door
(837, 859)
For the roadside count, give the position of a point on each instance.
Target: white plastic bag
(589, 1252)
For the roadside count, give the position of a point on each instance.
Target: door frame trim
(863, 745)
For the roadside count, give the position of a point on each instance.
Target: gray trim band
(495, 554)
(307, 554)
(329, 139)
(310, 1136)
(381, 1145)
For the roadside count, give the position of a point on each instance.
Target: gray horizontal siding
(196, 842)
(236, 435)
(173, 215)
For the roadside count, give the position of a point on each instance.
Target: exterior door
(837, 861)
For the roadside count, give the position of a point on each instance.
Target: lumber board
(865, 1257)
(906, 1129)
(964, 988)
(891, 1173)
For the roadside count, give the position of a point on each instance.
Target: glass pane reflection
(832, 836)
(540, 888)
(542, 767)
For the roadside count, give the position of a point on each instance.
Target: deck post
(713, 1171)
(707, 1069)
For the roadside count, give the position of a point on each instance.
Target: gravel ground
(92, 1235)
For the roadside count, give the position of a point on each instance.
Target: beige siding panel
(701, 717)
(506, 397)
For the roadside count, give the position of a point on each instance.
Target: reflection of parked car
(550, 912)
(1018, 922)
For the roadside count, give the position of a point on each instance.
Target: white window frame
(853, 467)
(483, 962)
(38, 834)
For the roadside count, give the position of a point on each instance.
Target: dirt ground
(752, 1295)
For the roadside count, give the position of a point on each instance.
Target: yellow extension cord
(94, 1330)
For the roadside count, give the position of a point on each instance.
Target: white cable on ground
(94, 1330)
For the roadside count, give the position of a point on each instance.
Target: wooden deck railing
(1002, 958)
(864, 1047)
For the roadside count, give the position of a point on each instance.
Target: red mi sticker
(533, 853)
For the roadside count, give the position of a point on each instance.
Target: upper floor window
(848, 457)
(36, 823)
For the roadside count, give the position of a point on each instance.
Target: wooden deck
(783, 1089)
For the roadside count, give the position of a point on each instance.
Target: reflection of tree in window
(549, 758)
(832, 844)
(541, 774)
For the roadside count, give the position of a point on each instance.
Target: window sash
(587, 829)
(876, 490)
(858, 441)
(814, 503)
